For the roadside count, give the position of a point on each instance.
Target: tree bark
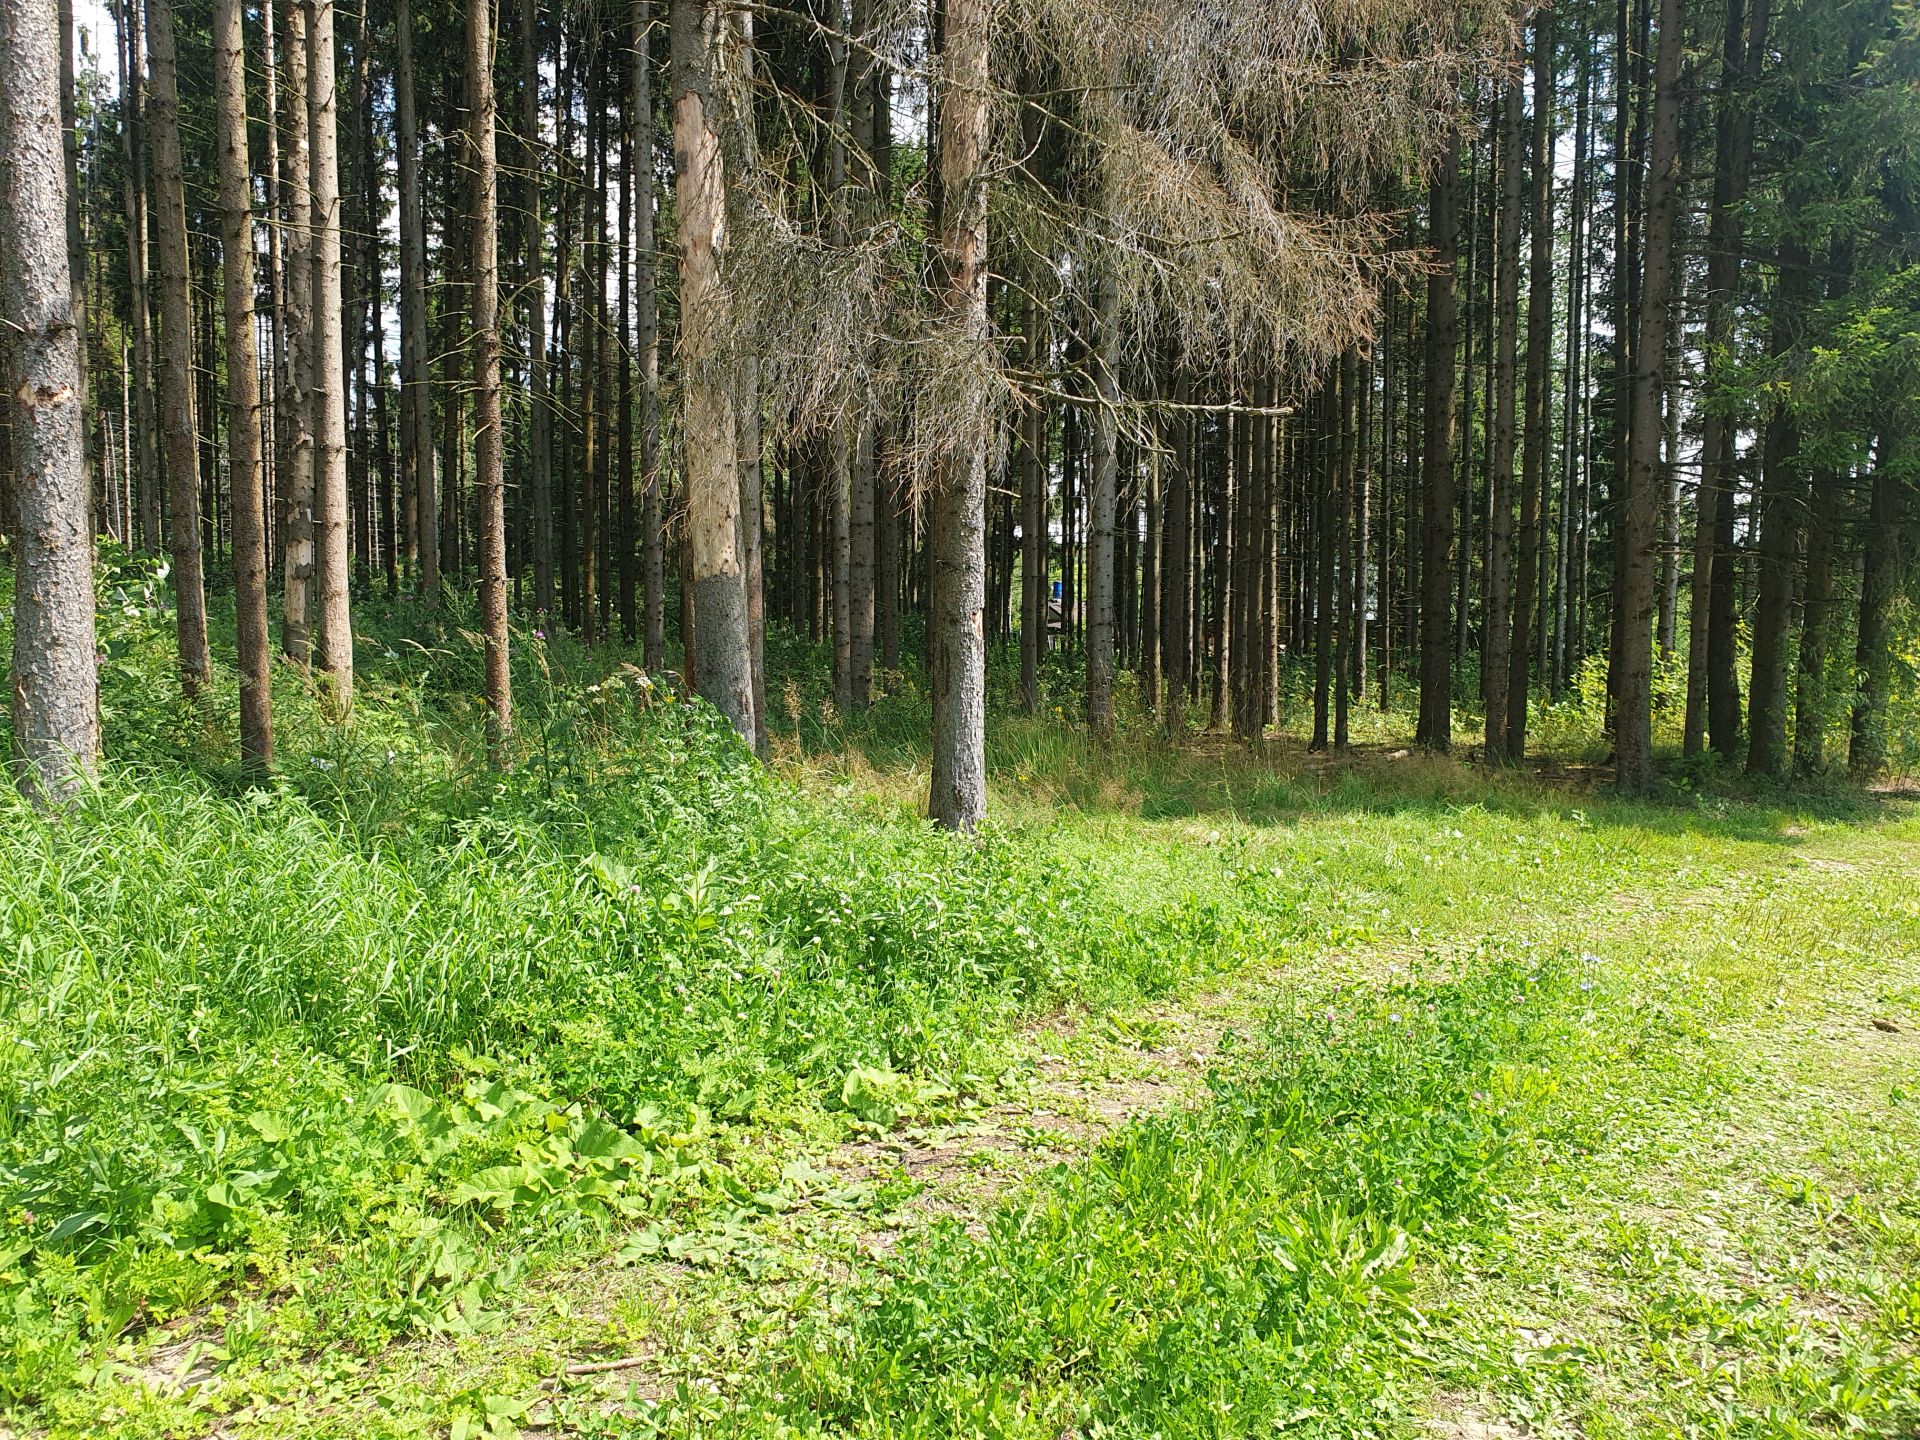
(176, 354)
(1175, 613)
(1435, 728)
(647, 323)
(488, 449)
(1633, 734)
(295, 493)
(1538, 390)
(957, 796)
(56, 736)
(1880, 580)
(253, 644)
(1497, 650)
(1782, 503)
(721, 661)
(1810, 695)
(416, 392)
(133, 166)
(333, 629)
(1743, 47)
(1100, 586)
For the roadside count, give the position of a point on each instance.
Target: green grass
(356, 1104)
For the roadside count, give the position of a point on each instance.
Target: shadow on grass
(1046, 762)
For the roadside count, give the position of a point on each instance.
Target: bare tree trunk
(1810, 694)
(333, 632)
(1782, 498)
(1435, 729)
(1033, 522)
(488, 449)
(957, 798)
(254, 645)
(1506, 318)
(56, 733)
(1880, 579)
(652, 524)
(1175, 618)
(295, 389)
(133, 168)
(176, 355)
(1538, 400)
(539, 401)
(1106, 434)
(1743, 44)
(1633, 727)
(721, 660)
(416, 392)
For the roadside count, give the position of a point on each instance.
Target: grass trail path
(1710, 1227)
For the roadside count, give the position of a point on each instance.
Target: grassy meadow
(1212, 1091)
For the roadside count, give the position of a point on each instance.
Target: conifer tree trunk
(56, 736)
(1175, 614)
(1810, 694)
(1538, 400)
(416, 395)
(1100, 580)
(626, 537)
(133, 170)
(1880, 580)
(721, 661)
(176, 354)
(1710, 687)
(652, 523)
(1497, 651)
(957, 796)
(333, 628)
(243, 390)
(1347, 421)
(539, 400)
(488, 447)
(1435, 729)
(1633, 732)
(295, 492)
(1782, 500)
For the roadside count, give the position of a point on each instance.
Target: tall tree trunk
(333, 630)
(1538, 391)
(1175, 612)
(295, 492)
(721, 662)
(1106, 434)
(749, 460)
(1782, 502)
(626, 537)
(1506, 306)
(253, 644)
(488, 449)
(1347, 422)
(176, 354)
(1880, 580)
(1744, 44)
(56, 736)
(534, 297)
(1633, 735)
(416, 393)
(133, 169)
(957, 797)
(1810, 695)
(652, 524)
(1435, 729)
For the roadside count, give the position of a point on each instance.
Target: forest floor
(1216, 1092)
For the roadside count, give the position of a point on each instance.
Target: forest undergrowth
(298, 1074)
